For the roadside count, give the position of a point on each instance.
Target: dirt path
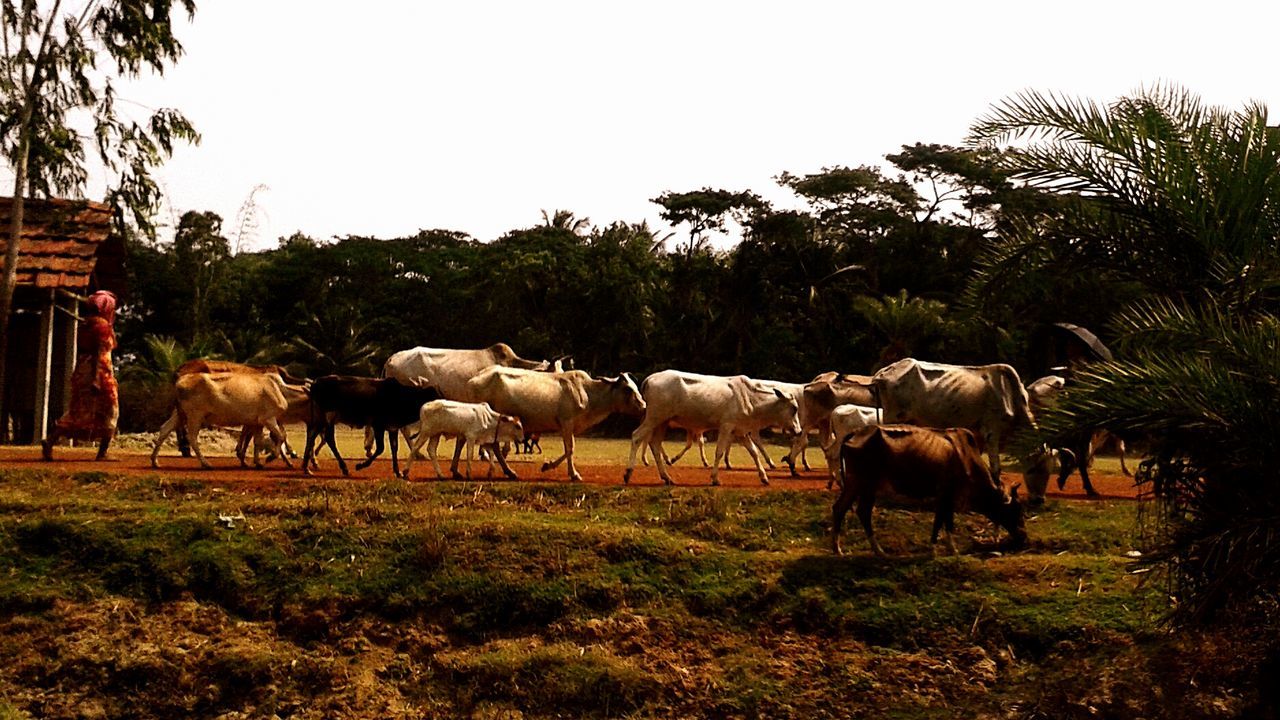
(227, 470)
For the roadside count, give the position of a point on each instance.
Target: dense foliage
(1180, 204)
(873, 269)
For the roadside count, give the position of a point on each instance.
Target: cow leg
(723, 440)
(1084, 476)
(184, 445)
(333, 448)
(750, 444)
(660, 457)
(431, 452)
(843, 502)
(368, 441)
(408, 436)
(378, 447)
(945, 516)
(502, 462)
(754, 440)
(394, 437)
(165, 430)
(1120, 450)
(279, 442)
(247, 433)
(799, 444)
(702, 451)
(832, 453)
(640, 436)
(865, 504)
(689, 436)
(574, 475)
(309, 450)
(193, 435)
(993, 455)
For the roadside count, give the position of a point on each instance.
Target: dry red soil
(276, 477)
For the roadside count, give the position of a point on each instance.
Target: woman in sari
(95, 400)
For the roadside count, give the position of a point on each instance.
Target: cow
(988, 399)
(473, 423)
(382, 404)
(449, 370)
(844, 420)
(226, 398)
(1044, 393)
(569, 403)
(817, 400)
(734, 406)
(298, 411)
(208, 365)
(920, 463)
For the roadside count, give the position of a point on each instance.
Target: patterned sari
(95, 397)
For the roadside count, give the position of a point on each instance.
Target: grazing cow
(569, 403)
(818, 399)
(988, 399)
(207, 365)
(449, 370)
(1078, 455)
(382, 404)
(733, 406)
(226, 398)
(921, 463)
(844, 420)
(472, 423)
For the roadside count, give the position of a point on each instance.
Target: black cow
(381, 404)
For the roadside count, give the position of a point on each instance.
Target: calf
(844, 420)
(920, 463)
(818, 399)
(225, 399)
(382, 404)
(472, 423)
(297, 411)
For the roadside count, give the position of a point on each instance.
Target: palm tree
(566, 220)
(1161, 190)
(904, 322)
(1184, 201)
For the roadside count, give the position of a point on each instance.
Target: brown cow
(208, 365)
(256, 399)
(921, 463)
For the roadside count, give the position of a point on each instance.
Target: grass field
(161, 597)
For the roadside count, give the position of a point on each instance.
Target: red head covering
(104, 302)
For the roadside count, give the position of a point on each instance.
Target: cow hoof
(546, 466)
(626, 477)
(764, 481)
(458, 476)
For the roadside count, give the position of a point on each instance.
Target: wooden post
(44, 370)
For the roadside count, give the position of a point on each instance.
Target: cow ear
(779, 393)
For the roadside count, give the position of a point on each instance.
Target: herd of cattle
(916, 427)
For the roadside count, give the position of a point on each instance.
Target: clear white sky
(380, 118)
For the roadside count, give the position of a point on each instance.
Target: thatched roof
(62, 242)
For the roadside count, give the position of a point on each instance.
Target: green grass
(533, 591)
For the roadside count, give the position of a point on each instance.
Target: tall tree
(706, 210)
(49, 74)
(1182, 199)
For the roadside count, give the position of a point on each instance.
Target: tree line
(874, 268)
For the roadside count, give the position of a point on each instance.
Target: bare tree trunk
(16, 211)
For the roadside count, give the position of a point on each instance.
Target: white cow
(472, 423)
(448, 371)
(226, 398)
(819, 397)
(988, 399)
(845, 419)
(1044, 393)
(733, 406)
(569, 403)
